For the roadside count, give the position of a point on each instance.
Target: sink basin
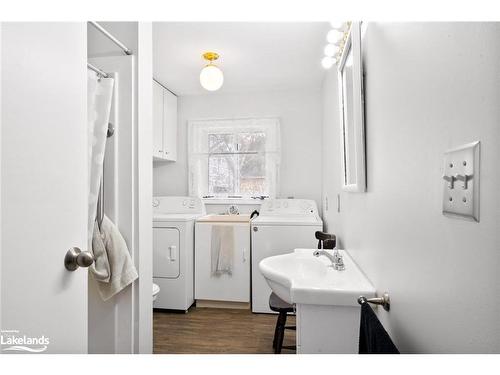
(225, 218)
(301, 278)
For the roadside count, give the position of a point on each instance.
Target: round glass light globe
(330, 50)
(211, 78)
(327, 62)
(334, 36)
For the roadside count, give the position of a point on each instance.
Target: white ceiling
(253, 56)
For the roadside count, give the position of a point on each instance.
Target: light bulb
(330, 50)
(211, 78)
(327, 62)
(334, 36)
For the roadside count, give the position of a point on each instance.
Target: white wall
(429, 88)
(300, 116)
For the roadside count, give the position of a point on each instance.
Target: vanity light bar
(336, 38)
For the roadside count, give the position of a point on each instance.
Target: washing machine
(173, 250)
(282, 226)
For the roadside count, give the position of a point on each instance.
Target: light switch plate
(461, 182)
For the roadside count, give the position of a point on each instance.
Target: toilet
(156, 290)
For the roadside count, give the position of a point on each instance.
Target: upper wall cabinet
(164, 124)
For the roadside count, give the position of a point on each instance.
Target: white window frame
(198, 153)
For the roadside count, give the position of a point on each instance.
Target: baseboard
(202, 303)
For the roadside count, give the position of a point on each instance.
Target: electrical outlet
(461, 182)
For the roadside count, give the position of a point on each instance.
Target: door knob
(76, 258)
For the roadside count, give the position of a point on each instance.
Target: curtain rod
(98, 71)
(108, 35)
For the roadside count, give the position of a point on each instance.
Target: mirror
(352, 134)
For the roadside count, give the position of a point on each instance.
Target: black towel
(373, 338)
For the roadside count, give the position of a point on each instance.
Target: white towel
(222, 249)
(100, 268)
(122, 269)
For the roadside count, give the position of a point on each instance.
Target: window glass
(236, 164)
(255, 141)
(220, 143)
(234, 157)
(221, 174)
(252, 170)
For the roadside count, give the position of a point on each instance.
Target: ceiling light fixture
(211, 77)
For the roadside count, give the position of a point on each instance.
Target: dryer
(173, 250)
(282, 226)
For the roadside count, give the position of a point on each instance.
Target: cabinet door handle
(244, 254)
(173, 253)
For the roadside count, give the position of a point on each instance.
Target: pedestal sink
(325, 299)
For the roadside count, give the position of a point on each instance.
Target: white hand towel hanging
(121, 266)
(222, 249)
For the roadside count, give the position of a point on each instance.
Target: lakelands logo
(14, 341)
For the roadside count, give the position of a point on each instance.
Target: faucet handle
(339, 261)
(336, 254)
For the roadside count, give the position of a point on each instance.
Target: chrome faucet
(336, 259)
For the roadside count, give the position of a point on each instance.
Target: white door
(166, 253)
(157, 120)
(44, 186)
(234, 287)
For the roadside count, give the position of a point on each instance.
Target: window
(234, 158)
(236, 164)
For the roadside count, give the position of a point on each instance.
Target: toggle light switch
(461, 182)
(450, 180)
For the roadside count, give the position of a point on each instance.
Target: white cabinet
(170, 126)
(323, 329)
(164, 124)
(157, 121)
(234, 287)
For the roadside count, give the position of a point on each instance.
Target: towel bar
(383, 301)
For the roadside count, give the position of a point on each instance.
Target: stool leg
(276, 330)
(281, 332)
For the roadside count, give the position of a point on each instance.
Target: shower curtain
(99, 96)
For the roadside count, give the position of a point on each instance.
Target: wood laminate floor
(213, 330)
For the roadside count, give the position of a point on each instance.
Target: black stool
(282, 308)
(327, 239)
